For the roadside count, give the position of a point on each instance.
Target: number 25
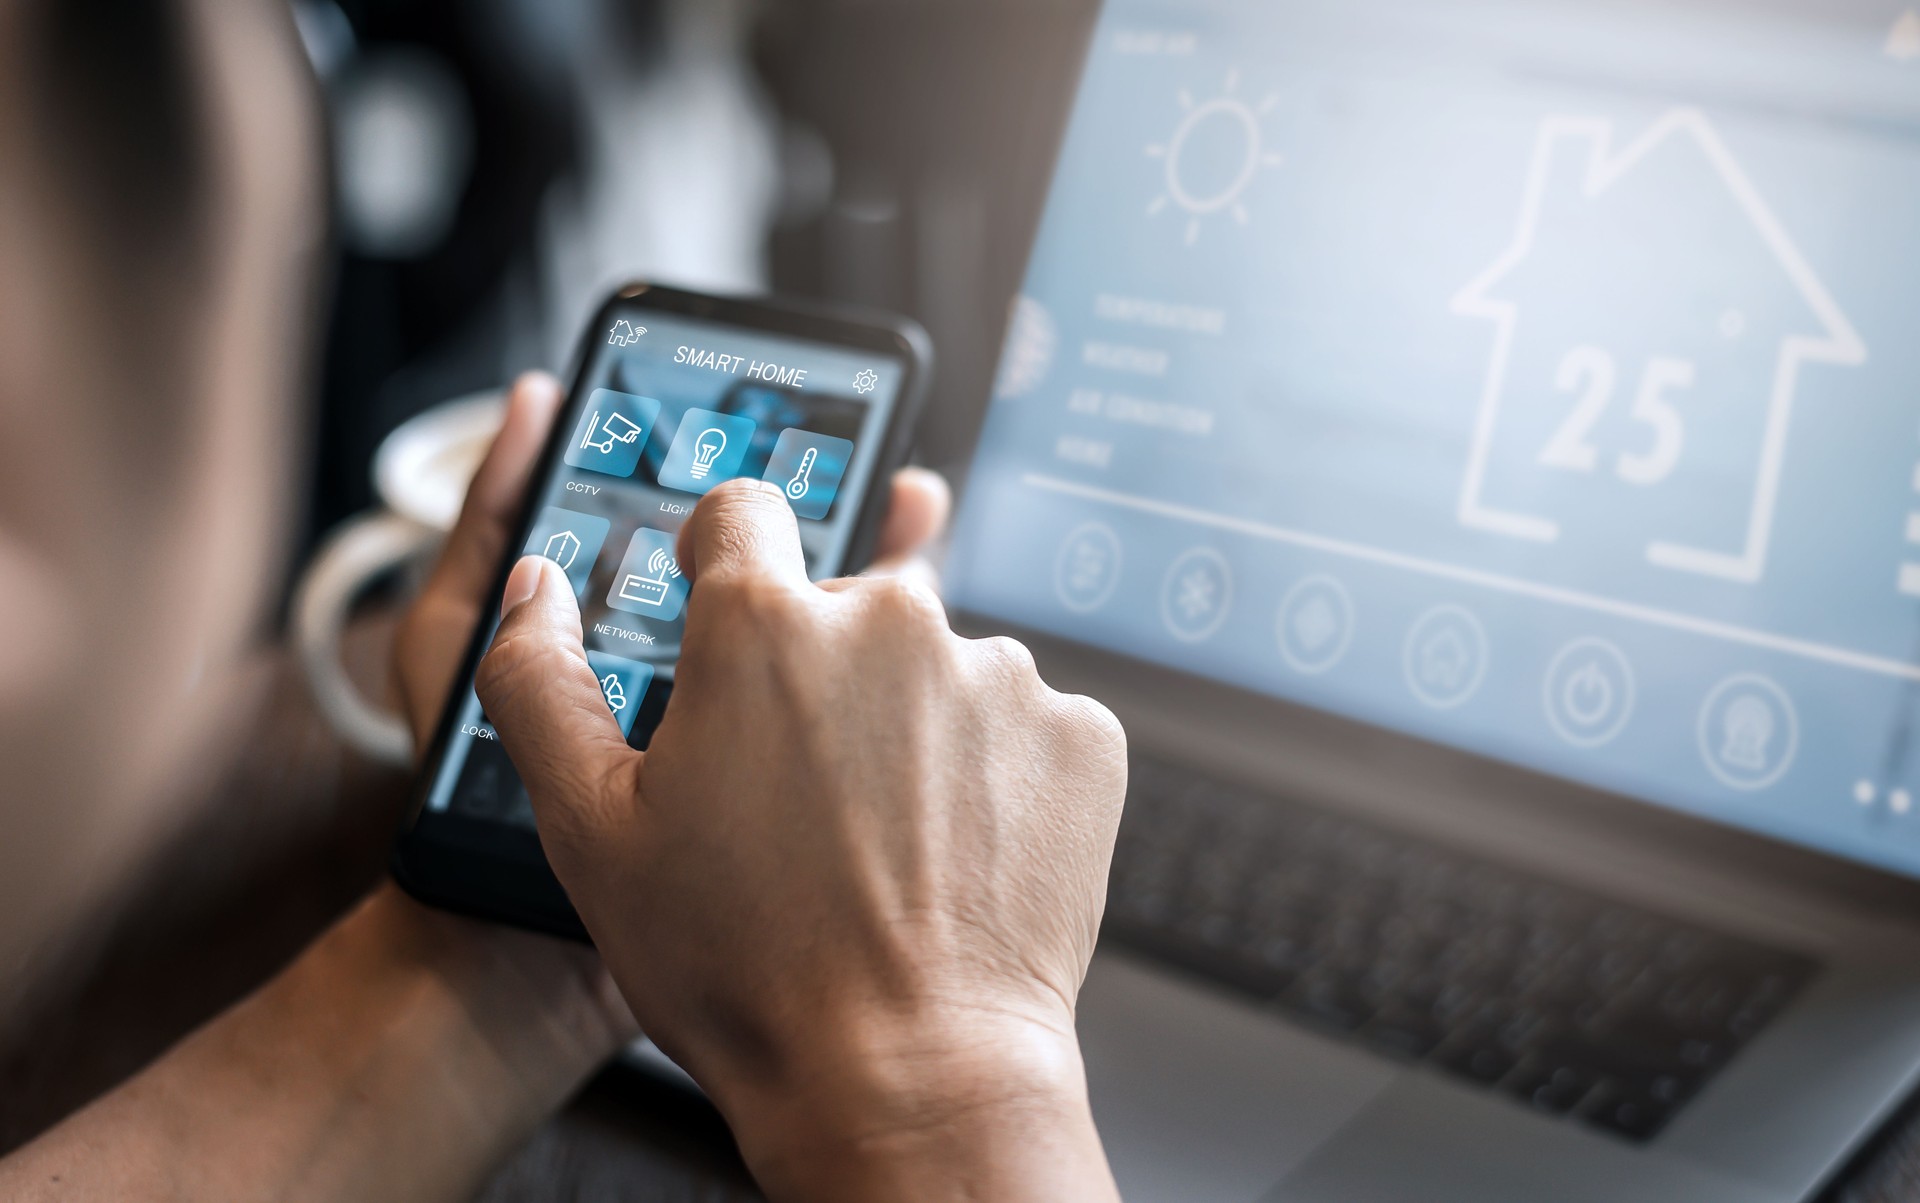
(1589, 372)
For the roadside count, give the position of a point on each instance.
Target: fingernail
(522, 583)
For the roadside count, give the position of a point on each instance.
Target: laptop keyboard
(1570, 1004)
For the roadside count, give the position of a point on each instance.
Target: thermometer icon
(798, 486)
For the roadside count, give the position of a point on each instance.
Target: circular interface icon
(1087, 569)
(1749, 732)
(1196, 595)
(1589, 693)
(1315, 625)
(1216, 153)
(1446, 657)
(1032, 341)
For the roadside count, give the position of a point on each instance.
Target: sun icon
(1228, 128)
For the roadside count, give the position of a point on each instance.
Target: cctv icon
(603, 436)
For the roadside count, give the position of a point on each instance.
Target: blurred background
(499, 165)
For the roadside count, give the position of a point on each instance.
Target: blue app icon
(623, 683)
(649, 582)
(808, 468)
(613, 431)
(570, 540)
(707, 449)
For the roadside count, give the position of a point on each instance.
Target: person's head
(158, 223)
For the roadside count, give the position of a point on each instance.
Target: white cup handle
(359, 553)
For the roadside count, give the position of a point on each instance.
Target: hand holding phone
(676, 394)
(854, 883)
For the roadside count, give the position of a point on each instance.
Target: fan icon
(616, 695)
(866, 382)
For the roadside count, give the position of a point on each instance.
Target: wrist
(981, 1108)
(546, 1008)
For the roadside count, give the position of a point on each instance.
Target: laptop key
(1632, 1115)
(1573, 1004)
(1222, 966)
(1327, 1000)
(1554, 1089)
(1485, 1063)
(1404, 1031)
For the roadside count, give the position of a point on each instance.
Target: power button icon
(1589, 692)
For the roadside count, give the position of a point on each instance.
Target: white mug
(421, 474)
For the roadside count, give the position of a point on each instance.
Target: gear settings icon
(866, 382)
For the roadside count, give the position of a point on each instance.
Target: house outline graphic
(1840, 344)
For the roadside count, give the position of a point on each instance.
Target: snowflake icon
(1197, 595)
(866, 381)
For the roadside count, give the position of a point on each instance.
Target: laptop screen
(1541, 379)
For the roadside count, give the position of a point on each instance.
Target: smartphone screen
(677, 394)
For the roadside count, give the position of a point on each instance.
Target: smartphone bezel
(491, 871)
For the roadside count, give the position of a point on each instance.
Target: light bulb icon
(706, 449)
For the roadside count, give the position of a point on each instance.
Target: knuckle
(584, 802)
(1090, 725)
(1008, 660)
(511, 655)
(755, 603)
(906, 604)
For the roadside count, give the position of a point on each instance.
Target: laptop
(1475, 446)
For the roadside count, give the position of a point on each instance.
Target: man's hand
(854, 885)
(434, 634)
(433, 638)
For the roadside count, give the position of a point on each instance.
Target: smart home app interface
(1538, 379)
(672, 408)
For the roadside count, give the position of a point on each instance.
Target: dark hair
(116, 131)
(115, 110)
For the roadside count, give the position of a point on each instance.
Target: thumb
(542, 697)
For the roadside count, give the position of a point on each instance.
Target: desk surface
(266, 879)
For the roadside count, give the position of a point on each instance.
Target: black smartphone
(675, 393)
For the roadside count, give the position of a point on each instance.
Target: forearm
(398, 1059)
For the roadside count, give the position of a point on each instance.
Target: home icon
(1445, 661)
(1651, 320)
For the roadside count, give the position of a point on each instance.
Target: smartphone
(675, 393)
